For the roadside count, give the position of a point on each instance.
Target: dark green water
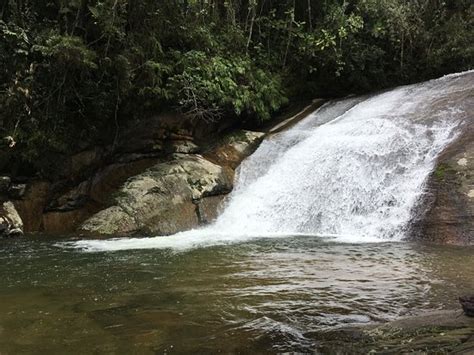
(267, 296)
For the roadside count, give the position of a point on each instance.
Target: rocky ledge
(448, 216)
(175, 195)
(163, 177)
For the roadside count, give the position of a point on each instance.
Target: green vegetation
(443, 170)
(75, 71)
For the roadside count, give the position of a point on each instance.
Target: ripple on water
(272, 294)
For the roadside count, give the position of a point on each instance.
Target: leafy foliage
(206, 85)
(75, 71)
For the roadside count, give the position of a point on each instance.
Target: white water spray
(354, 170)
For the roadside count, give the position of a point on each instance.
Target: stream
(270, 295)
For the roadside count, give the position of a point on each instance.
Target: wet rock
(74, 199)
(109, 179)
(64, 222)
(232, 149)
(32, 204)
(11, 224)
(160, 200)
(208, 208)
(449, 215)
(111, 221)
(173, 195)
(64, 213)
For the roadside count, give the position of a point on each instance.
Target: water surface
(267, 295)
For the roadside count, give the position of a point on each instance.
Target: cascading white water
(354, 170)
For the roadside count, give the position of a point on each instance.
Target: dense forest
(74, 71)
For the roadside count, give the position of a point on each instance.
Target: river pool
(266, 295)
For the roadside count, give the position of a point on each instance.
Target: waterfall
(354, 170)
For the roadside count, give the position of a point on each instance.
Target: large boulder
(112, 221)
(64, 213)
(109, 179)
(11, 224)
(449, 214)
(179, 194)
(161, 200)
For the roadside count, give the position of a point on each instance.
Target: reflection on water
(265, 296)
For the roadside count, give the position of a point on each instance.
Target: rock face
(234, 148)
(158, 179)
(449, 215)
(177, 194)
(30, 204)
(11, 224)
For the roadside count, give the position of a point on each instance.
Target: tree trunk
(310, 15)
(290, 32)
(252, 22)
